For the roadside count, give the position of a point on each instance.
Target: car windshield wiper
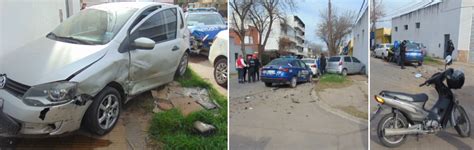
(68, 39)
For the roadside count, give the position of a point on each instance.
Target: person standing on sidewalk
(403, 48)
(251, 69)
(240, 65)
(257, 67)
(322, 61)
(450, 48)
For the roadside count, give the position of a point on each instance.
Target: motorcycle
(408, 114)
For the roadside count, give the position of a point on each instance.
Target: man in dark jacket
(257, 67)
(403, 50)
(450, 48)
(322, 61)
(251, 70)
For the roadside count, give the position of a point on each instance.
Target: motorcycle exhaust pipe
(405, 131)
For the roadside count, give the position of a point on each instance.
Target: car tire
(220, 72)
(344, 72)
(108, 103)
(183, 65)
(293, 82)
(362, 71)
(268, 84)
(310, 78)
(420, 63)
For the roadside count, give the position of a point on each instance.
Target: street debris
(248, 108)
(418, 75)
(295, 101)
(164, 104)
(203, 128)
(201, 96)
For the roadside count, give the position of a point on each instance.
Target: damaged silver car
(81, 73)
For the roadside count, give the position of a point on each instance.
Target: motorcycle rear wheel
(463, 124)
(388, 121)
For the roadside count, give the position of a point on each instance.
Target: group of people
(403, 47)
(248, 68)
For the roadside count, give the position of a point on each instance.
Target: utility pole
(330, 26)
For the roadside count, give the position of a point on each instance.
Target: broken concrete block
(159, 94)
(164, 104)
(186, 105)
(203, 128)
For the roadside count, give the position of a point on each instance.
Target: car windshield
(334, 59)
(279, 62)
(412, 47)
(204, 19)
(308, 60)
(92, 26)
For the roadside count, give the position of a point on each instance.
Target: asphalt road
(388, 76)
(285, 118)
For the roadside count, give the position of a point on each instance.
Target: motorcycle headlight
(51, 93)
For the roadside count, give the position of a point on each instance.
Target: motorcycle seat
(422, 97)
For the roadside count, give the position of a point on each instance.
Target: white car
(218, 57)
(311, 63)
(83, 71)
(381, 51)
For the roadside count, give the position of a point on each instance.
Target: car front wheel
(183, 65)
(344, 72)
(104, 111)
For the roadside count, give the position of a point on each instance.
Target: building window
(417, 25)
(248, 40)
(396, 29)
(406, 27)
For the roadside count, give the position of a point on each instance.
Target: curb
(337, 112)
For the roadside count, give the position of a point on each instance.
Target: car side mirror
(144, 43)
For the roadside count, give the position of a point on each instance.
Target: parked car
(345, 65)
(218, 57)
(286, 71)
(311, 62)
(413, 54)
(381, 51)
(204, 25)
(84, 70)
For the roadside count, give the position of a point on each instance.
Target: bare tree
(334, 28)
(316, 48)
(376, 13)
(260, 20)
(240, 10)
(274, 10)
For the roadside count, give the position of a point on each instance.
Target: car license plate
(270, 71)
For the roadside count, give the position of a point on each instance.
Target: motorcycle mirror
(448, 60)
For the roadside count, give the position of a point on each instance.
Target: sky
(309, 10)
(392, 9)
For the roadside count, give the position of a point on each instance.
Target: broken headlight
(51, 93)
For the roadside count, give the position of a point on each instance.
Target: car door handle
(175, 48)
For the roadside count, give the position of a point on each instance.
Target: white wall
(361, 39)
(22, 21)
(436, 20)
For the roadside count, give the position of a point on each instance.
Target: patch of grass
(354, 111)
(333, 81)
(432, 61)
(176, 131)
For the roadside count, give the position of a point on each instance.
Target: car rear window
(334, 59)
(308, 60)
(279, 62)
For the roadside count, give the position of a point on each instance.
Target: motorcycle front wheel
(388, 121)
(463, 124)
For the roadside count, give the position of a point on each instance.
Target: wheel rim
(183, 64)
(389, 123)
(221, 73)
(109, 110)
(344, 72)
(461, 121)
(293, 82)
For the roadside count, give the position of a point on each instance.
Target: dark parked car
(286, 71)
(413, 54)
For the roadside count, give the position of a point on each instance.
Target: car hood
(45, 60)
(201, 31)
